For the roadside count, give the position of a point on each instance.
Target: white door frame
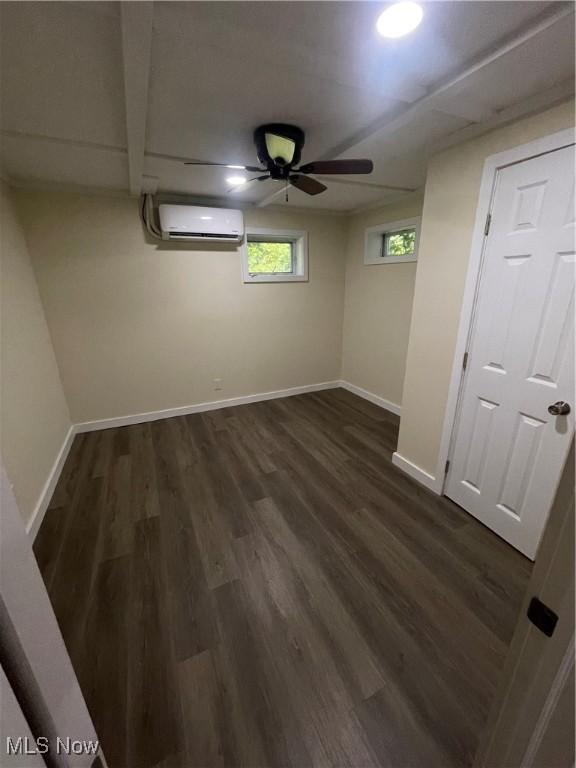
(528, 712)
(32, 649)
(492, 165)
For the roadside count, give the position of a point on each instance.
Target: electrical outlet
(218, 386)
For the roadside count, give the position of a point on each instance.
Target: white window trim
(373, 241)
(297, 236)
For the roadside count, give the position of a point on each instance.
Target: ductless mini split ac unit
(200, 224)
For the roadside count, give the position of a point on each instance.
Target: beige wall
(450, 201)
(139, 327)
(377, 309)
(34, 417)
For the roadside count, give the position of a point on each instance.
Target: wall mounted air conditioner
(199, 224)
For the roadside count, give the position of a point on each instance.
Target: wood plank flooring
(259, 586)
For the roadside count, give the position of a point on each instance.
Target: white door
(508, 449)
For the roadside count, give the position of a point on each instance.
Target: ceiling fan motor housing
(279, 147)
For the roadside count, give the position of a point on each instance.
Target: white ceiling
(106, 95)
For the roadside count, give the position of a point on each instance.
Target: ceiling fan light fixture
(236, 181)
(399, 19)
(280, 148)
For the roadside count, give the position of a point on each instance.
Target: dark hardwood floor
(259, 586)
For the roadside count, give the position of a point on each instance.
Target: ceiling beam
(265, 201)
(68, 142)
(559, 93)
(388, 124)
(136, 21)
(356, 183)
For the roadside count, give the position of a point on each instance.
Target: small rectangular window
(270, 257)
(400, 243)
(393, 242)
(274, 256)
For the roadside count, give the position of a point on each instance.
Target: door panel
(478, 449)
(508, 450)
(519, 468)
(554, 332)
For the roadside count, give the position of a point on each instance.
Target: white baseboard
(416, 473)
(33, 525)
(376, 399)
(35, 521)
(168, 413)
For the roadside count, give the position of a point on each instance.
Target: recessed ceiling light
(399, 19)
(235, 181)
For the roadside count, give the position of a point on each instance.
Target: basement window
(393, 242)
(274, 256)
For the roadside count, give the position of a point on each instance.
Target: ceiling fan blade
(340, 167)
(308, 185)
(238, 167)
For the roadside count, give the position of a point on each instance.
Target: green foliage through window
(399, 243)
(270, 258)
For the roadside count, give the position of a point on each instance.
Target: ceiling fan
(279, 147)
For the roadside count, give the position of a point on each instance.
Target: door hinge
(465, 361)
(487, 225)
(447, 467)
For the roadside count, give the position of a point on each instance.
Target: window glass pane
(270, 258)
(400, 243)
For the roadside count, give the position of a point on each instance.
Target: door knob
(559, 409)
